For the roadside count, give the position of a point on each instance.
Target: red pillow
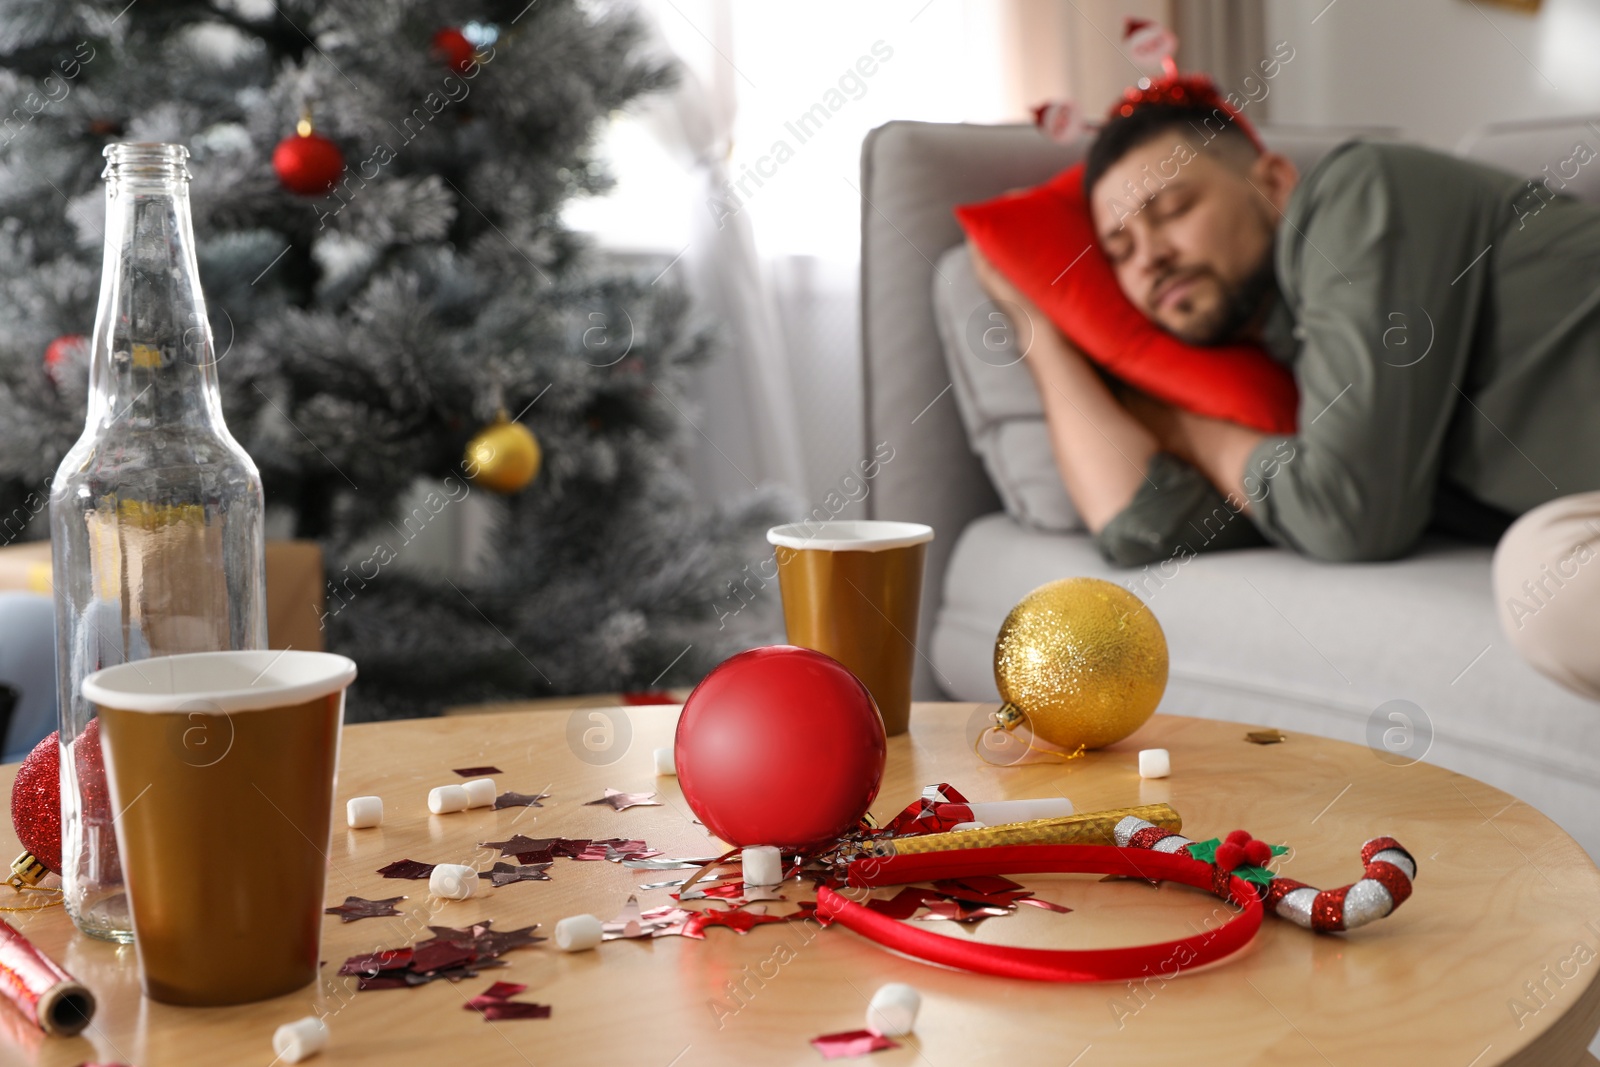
(1032, 236)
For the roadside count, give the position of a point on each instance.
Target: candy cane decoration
(1384, 885)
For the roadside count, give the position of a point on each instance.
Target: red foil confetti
(495, 1003)
(514, 1009)
(620, 801)
(505, 874)
(355, 908)
(519, 844)
(407, 869)
(851, 1043)
(451, 954)
(519, 800)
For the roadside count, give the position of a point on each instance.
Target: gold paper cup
(221, 768)
(852, 589)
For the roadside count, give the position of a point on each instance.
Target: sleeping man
(1442, 320)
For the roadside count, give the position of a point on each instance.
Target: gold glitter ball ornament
(1081, 661)
(504, 457)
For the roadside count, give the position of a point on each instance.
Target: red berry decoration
(780, 746)
(1229, 856)
(307, 163)
(1258, 853)
(453, 48)
(1238, 837)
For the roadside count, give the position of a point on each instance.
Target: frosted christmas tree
(377, 189)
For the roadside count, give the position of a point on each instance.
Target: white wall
(1434, 68)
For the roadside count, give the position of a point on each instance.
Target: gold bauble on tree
(504, 457)
(1080, 661)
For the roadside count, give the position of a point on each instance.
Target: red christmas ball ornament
(60, 352)
(307, 163)
(453, 48)
(780, 746)
(36, 802)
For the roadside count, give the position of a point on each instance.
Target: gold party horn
(1085, 828)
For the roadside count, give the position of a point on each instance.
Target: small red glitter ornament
(307, 163)
(36, 803)
(36, 794)
(452, 46)
(780, 746)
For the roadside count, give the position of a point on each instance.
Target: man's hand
(1220, 450)
(1101, 450)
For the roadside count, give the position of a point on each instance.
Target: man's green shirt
(1443, 322)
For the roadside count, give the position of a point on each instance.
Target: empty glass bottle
(156, 512)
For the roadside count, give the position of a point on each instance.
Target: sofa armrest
(912, 174)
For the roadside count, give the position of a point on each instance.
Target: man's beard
(1240, 307)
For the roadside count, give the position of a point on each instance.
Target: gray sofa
(1259, 636)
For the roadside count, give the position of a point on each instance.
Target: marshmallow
(578, 932)
(665, 762)
(364, 812)
(448, 798)
(893, 1011)
(763, 865)
(295, 1041)
(480, 792)
(453, 881)
(1154, 763)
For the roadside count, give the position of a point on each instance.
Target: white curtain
(746, 418)
(776, 97)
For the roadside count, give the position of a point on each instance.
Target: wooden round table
(1494, 960)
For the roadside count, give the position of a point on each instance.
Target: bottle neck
(153, 361)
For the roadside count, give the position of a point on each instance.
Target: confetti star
(621, 801)
(506, 873)
(355, 908)
(520, 844)
(1060, 909)
(519, 800)
(407, 869)
(486, 942)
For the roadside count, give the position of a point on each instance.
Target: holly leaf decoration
(1255, 875)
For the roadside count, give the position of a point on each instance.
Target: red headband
(1194, 90)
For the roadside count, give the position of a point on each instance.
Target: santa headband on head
(1151, 46)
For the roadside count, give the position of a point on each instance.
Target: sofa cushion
(1043, 240)
(1265, 636)
(998, 402)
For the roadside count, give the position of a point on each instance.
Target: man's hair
(1200, 123)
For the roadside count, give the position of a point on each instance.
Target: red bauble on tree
(60, 351)
(307, 163)
(780, 746)
(453, 49)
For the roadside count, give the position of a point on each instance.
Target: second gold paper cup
(852, 589)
